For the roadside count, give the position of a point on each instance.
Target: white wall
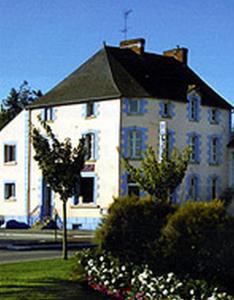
(15, 132)
(71, 122)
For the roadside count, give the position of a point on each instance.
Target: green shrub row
(195, 239)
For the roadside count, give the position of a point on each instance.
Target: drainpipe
(29, 166)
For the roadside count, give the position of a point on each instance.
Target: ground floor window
(133, 188)
(87, 190)
(9, 190)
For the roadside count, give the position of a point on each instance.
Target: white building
(118, 99)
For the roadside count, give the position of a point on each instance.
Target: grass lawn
(46, 279)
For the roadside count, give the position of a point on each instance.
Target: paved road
(9, 239)
(7, 256)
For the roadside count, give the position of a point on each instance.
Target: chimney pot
(136, 45)
(181, 54)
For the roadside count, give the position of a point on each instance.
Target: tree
(16, 101)
(61, 165)
(159, 179)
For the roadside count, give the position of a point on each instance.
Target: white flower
(106, 283)
(101, 258)
(191, 292)
(165, 292)
(123, 268)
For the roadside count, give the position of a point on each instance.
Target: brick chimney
(136, 45)
(181, 54)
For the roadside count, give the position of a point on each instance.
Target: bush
(131, 227)
(198, 241)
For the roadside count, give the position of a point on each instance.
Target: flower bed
(127, 282)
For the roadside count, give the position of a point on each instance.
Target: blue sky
(43, 41)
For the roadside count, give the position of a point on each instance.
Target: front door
(46, 210)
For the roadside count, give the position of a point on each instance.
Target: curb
(34, 247)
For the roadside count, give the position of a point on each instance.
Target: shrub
(198, 240)
(131, 227)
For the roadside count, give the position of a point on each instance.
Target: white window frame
(134, 144)
(9, 153)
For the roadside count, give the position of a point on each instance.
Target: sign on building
(162, 138)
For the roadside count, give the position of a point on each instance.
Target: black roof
(116, 73)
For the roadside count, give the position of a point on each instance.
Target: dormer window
(90, 109)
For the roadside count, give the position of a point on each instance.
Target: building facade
(127, 99)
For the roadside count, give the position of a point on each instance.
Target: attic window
(90, 109)
(134, 106)
(48, 114)
(214, 116)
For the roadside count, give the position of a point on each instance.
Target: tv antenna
(125, 30)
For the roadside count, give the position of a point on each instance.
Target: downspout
(29, 166)
(120, 150)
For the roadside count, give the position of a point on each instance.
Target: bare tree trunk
(64, 254)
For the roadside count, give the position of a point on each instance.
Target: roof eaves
(76, 101)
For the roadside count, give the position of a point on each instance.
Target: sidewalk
(24, 240)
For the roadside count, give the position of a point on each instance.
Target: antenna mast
(125, 30)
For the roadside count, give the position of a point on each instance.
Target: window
(90, 109)
(193, 143)
(9, 190)
(9, 153)
(214, 116)
(134, 106)
(214, 150)
(192, 191)
(90, 146)
(134, 144)
(193, 107)
(87, 190)
(48, 114)
(214, 188)
(166, 111)
(170, 140)
(133, 188)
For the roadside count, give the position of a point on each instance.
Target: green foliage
(198, 240)
(159, 179)
(16, 101)
(131, 227)
(119, 280)
(60, 163)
